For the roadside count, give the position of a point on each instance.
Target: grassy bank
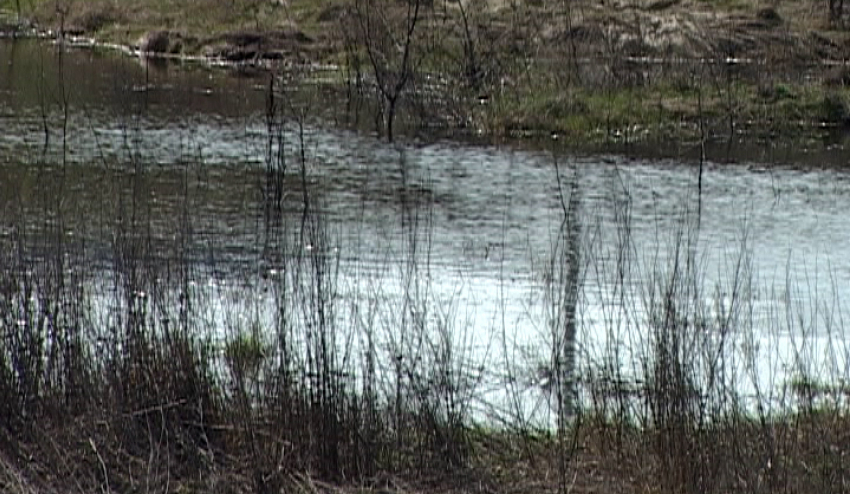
(639, 70)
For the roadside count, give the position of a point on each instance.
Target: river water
(475, 226)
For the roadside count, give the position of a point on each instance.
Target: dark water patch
(44, 77)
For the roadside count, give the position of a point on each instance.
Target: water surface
(102, 154)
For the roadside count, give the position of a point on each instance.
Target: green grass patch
(591, 113)
(666, 109)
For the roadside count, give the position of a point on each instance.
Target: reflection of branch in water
(564, 330)
(777, 192)
(701, 152)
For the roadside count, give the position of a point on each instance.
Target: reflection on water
(174, 166)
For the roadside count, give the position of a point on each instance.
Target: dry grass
(800, 454)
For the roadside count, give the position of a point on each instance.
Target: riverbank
(619, 72)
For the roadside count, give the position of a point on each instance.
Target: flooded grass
(155, 393)
(168, 367)
(144, 347)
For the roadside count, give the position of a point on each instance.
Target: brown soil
(692, 29)
(240, 46)
(771, 31)
(779, 32)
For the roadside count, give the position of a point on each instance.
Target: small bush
(835, 109)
